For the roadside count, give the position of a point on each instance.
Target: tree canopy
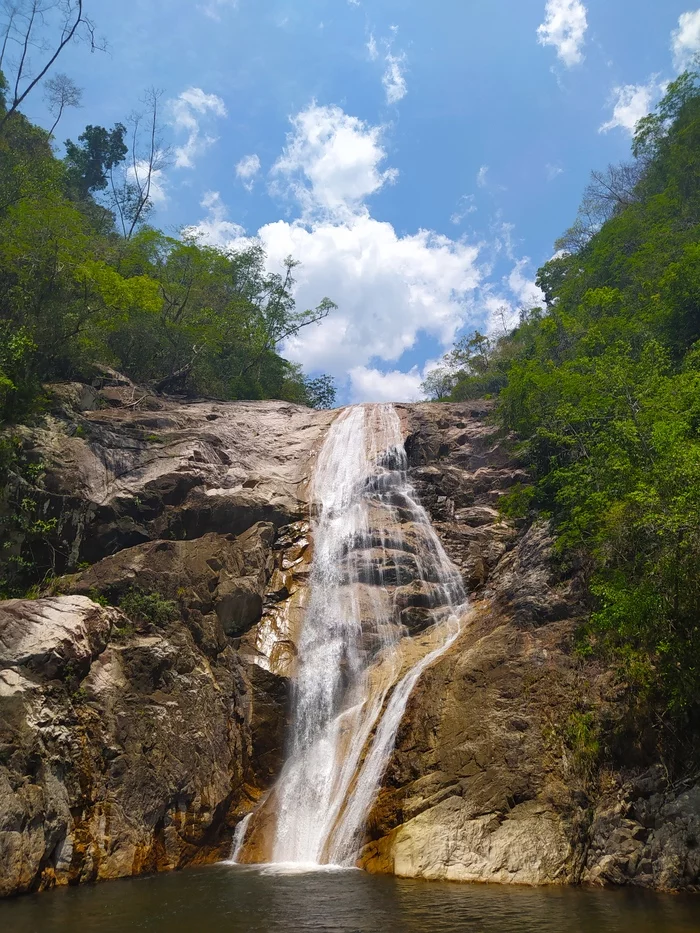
(85, 279)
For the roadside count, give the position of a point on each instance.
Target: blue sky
(419, 159)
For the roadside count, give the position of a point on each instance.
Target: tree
(607, 193)
(24, 31)
(439, 384)
(61, 92)
(321, 391)
(602, 389)
(92, 160)
(132, 189)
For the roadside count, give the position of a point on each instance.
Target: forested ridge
(602, 387)
(86, 278)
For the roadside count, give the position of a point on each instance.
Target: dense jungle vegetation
(603, 387)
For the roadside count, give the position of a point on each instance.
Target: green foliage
(123, 632)
(26, 528)
(149, 608)
(97, 597)
(320, 392)
(603, 387)
(177, 313)
(517, 502)
(89, 163)
(582, 738)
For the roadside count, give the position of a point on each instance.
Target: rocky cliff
(144, 695)
(497, 774)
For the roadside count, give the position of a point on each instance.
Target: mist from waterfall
(354, 677)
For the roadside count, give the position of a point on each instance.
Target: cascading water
(379, 572)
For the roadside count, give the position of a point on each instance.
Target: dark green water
(229, 899)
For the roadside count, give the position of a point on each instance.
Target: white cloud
(391, 288)
(481, 178)
(158, 184)
(685, 41)
(372, 385)
(631, 102)
(216, 229)
(247, 170)
(564, 27)
(552, 170)
(187, 111)
(331, 162)
(465, 206)
(393, 78)
(501, 307)
(526, 292)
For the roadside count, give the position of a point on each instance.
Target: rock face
(144, 696)
(491, 778)
(119, 746)
(134, 739)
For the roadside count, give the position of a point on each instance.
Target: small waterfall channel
(385, 603)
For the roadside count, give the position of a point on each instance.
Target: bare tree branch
(132, 191)
(24, 25)
(61, 92)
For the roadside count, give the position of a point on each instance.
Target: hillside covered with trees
(86, 279)
(602, 386)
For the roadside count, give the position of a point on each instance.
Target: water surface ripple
(237, 899)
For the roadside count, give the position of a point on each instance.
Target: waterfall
(379, 576)
(239, 838)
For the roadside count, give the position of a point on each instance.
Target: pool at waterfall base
(227, 898)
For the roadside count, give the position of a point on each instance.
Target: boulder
(47, 635)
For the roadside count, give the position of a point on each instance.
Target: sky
(418, 159)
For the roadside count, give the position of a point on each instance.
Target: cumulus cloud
(564, 27)
(216, 229)
(630, 103)
(390, 288)
(187, 112)
(685, 40)
(481, 177)
(526, 292)
(247, 170)
(331, 162)
(138, 173)
(371, 385)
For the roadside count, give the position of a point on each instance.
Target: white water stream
(356, 668)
